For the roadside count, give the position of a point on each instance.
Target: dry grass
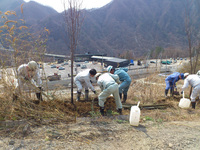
(148, 91)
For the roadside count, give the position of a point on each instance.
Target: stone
(170, 145)
(11, 142)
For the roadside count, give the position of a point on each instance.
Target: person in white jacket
(109, 85)
(83, 79)
(29, 79)
(194, 81)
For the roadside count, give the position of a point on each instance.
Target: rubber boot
(120, 95)
(124, 99)
(78, 96)
(39, 96)
(193, 105)
(172, 92)
(119, 111)
(86, 94)
(102, 111)
(166, 91)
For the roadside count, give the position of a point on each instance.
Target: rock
(11, 142)
(26, 130)
(170, 145)
(110, 138)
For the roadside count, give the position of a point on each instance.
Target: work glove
(40, 88)
(95, 92)
(181, 92)
(25, 78)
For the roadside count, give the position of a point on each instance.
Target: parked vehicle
(61, 68)
(166, 62)
(53, 66)
(54, 77)
(83, 66)
(65, 63)
(131, 64)
(152, 61)
(78, 65)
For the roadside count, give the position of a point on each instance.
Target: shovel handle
(138, 104)
(183, 95)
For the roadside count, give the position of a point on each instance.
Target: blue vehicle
(61, 68)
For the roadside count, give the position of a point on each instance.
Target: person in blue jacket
(124, 78)
(171, 82)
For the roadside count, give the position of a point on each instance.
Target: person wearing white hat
(194, 81)
(29, 79)
(124, 78)
(83, 79)
(109, 85)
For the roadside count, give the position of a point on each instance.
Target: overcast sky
(58, 5)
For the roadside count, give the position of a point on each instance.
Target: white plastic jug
(135, 115)
(184, 102)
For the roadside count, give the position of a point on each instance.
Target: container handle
(138, 104)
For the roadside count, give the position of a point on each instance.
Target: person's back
(198, 73)
(83, 79)
(172, 77)
(108, 84)
(22, 70)
(123, 75)
(81, 76)
(105, 80)
(193, 80)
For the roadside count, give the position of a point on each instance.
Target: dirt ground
(109, 134)
(171, 128)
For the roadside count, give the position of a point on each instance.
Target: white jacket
(107, 79)
(192, 80)
(34, 76)
(84, 78)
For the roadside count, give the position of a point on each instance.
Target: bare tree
(74, 19)
(192, 36)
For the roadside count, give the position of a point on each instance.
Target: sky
(58, 5)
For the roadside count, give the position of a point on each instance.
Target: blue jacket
(123, 76)
(173, 78)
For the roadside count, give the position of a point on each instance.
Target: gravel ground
(108, 134)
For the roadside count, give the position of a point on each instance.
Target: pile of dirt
(27, 109)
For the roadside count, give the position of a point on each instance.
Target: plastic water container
(135, 115)
(184, 102)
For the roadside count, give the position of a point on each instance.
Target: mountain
(134, 25)
(32, 11)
